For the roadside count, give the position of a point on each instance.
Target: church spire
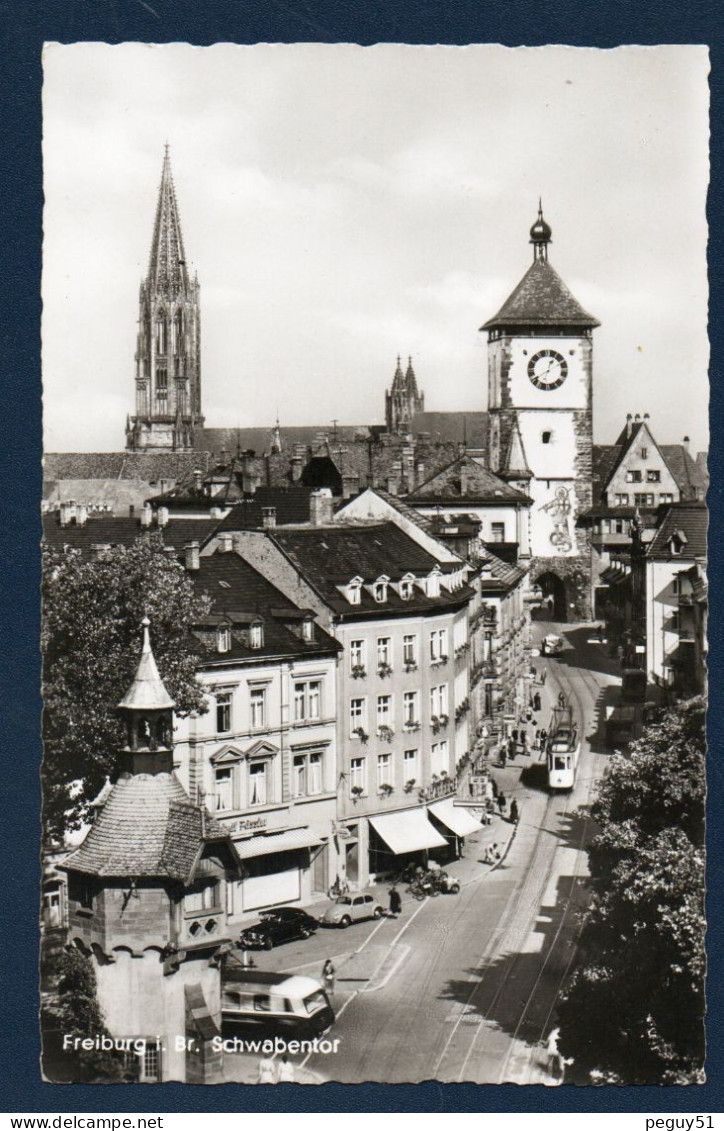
(167, 265)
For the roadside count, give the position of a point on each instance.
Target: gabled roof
(291, 505)
(329, 557)
(147, 828)
(239, 594)
(466, 480)
(541, 299)
(688, 519)
(687, 471)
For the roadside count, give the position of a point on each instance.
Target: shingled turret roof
(541, 299)
(147, 691)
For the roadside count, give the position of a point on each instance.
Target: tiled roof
(605, 458)
(147, 691)
(692, 520)
(151, 467)
(147, 827)
(466, 480)
(496, 573)
(541, 299)
(290, 503)
(116, 494)
(259, 440)
(108, 531)
(686, 471)
(332, 555)
(452, 427)
(239, 593)
(424, 521)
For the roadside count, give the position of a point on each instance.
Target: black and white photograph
(374, 582)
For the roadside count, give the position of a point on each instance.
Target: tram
(563, 749)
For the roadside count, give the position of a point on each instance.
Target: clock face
(547, 369)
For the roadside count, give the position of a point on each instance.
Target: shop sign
(249, 824)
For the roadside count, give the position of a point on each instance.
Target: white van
(275, 1003)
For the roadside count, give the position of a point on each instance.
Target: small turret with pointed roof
(147, 709)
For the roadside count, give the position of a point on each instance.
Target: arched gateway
(554, 605)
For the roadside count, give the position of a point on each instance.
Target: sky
(345, 204)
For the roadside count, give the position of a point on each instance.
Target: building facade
(540, 400)
(168, 349)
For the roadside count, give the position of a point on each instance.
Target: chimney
(268, 517)
(224, 457)
(81, 514)
(198, 480)
(321, 506)
(646, 416)
(686, 442)
(463, 480)
(162, 516)
(296, 462)
(637, 418)
(131, 510)
(147, 515)
(226, 543)
(628, 425)
(191, 556)
(67, 512)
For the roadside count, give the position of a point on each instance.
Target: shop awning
(276, 842)
(460, 821)
(408, 831)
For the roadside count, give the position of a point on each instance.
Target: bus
(563, 748)
(290, 1005)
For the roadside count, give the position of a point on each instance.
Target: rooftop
(469, 481)
(541, 299)
(688, 519)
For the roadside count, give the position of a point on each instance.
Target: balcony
(439, 788)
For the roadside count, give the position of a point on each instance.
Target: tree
(634, 1010)
(91, 639)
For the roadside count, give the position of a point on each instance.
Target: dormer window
(432, 584)
(354, 591)
(256, 635)
(406, 589)
(223, 639)
(308, 630)
(380, 592)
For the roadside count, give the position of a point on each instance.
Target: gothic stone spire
(167, 271)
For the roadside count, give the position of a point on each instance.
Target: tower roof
(516, 464)
(167, 266)
(541, 299)
(147, 691)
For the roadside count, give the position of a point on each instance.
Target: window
(357, 774)
(257, 707)
(406, 589)
(223, 712)
(644, 453)
(256, 637)
(666, 497)
(357, 653)
(409, 649)
(258, 783)
(380, 591)
(643, 500)
(161, 336)
(621, 500)
(151, 1067)
(438, 644)
(307, 700)
(384, 710)
(410, 708)
(384, 651)
(410, 765)
(439, 757)
(223, 788)
(223, 639)
(161, 387)
(438, 701)
(354, 593)
(546, 437)
(202, 898)
(618, 526)
(357, 715)
(633, 476)
(307, 774)
(81, 890)
(497, 532)
(308, 630)
(675, 587)
(653, 476)
(384, 770)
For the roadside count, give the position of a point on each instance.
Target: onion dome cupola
(147, 709)
(540, 235)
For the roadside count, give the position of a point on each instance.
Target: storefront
(454, 822)
(397, 839)
(279, 867)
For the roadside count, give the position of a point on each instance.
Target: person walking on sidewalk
(285, 1071)
(514, 812)
(544, 674)
(502, 803)
(266, 1071)
(395, 902)
(537, 701)
(328, 974)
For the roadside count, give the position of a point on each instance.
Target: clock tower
(540, 435)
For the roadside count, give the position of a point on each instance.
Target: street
(465, 988)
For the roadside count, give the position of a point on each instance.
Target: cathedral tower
(168, 351)
(402, 400)
(540, 393)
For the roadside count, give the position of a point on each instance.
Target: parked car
(351, 909)
(278, 925)
(552, 645)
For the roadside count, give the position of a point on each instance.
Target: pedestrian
(543, 677)
(285, 1071)
(524, 739)
(266, 1071)
(561, 699)
(534, 671)
(514, 812)
(537, 701)
(395, 902)
(503, 757)
(502, 803)
(514, 735)
(328, 974)
(536, 740)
